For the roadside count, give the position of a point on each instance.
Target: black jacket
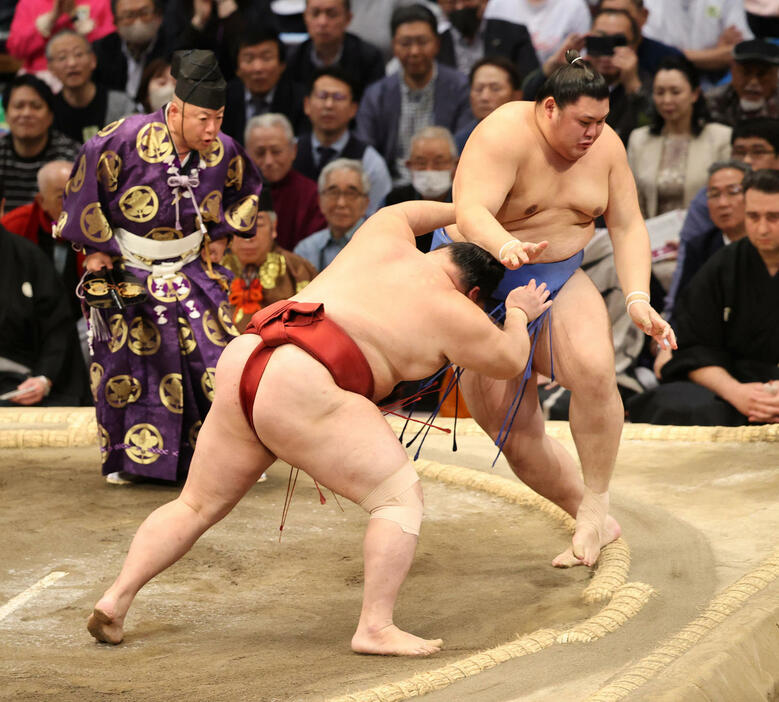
(501, 38)
(111, 68)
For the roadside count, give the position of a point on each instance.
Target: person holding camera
(611, 48)
(670, 157)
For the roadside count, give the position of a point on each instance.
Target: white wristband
(633, 302)
(640, 293)
(508, 243)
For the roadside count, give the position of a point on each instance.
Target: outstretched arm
(485, 175)
(632, 255)
(413, 218)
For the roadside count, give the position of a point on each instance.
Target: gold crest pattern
(109, 166)
(226, 318)
(62, 220)
(213, 329)
(164, 234)
(187, 342)
(118, 329)
(243, 214)
(235, 173)
(139, 204)
(215, 152)
(210, 207)
(77, 181)
(169, 289)
(273, 266)
(144, 443)
(172, 393)
(121, 390)
(94, 225)
(207, 383)
(300, 285)
(145, 338)
(95, 376)
(110, 128)
(153, 142)
(194, 430)
(105, 442)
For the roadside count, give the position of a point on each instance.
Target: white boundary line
(15, 602)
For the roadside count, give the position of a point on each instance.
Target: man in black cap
(752, 91)
(167, 183)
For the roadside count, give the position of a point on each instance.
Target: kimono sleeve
(85, 214)
(701, 324)
(241, 195)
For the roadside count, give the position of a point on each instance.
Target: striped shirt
(18, 175)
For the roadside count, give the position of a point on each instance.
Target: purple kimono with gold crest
(153, 379)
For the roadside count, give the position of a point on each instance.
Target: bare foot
(582, 541)
(104, 627)
(391, 641)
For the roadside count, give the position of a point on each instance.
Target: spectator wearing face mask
(138, 39)
(752, 91)
(431, 163)
(157, 85)
(471, 37)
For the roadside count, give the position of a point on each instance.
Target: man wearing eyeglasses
(343, 199)
(123, 54)
(331, 105)
(755, 142)
(82, 107)
(421, 94)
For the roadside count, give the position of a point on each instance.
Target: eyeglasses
(144, 13)
(729, 191)
(62, 58)
(334, 194)
(324, 96)
(755, 152)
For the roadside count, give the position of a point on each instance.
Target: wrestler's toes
(566, 559)
(104, 628)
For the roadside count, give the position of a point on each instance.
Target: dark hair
(338, 73)
(347, 5)
(413, 13)
(700, 113)
(760, 128)
(151, 69)
(158, 7)
(254, 35)
(634, 28)
(499, 62)
(766, 180)
(577, 78)
(478, 267)
(638, 4)
(31, 81)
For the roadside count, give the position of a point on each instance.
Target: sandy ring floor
(754, 597)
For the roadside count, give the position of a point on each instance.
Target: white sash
(144, 253)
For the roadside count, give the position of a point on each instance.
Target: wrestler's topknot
(576, 78)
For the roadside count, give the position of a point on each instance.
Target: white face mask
(158, 96)
(431, 184)
(751, 105)
(139, 32)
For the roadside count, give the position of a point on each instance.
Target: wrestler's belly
(564, 238)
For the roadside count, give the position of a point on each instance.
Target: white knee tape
(396, 500)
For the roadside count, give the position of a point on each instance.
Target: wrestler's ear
(549, 106)
(474, 293)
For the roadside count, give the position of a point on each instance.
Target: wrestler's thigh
(228, 456)
(338, 437)
(581, 335)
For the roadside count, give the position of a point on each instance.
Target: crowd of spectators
(350, 106)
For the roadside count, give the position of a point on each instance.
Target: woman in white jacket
(670, 157)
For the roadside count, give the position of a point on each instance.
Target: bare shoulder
(504, 125)
(611, 149)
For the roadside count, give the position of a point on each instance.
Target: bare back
(547, 197)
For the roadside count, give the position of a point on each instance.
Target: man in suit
(261, 85)
(421, 94)
(472, 37)
(123, 54)
(331, 104)
(329, 44)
